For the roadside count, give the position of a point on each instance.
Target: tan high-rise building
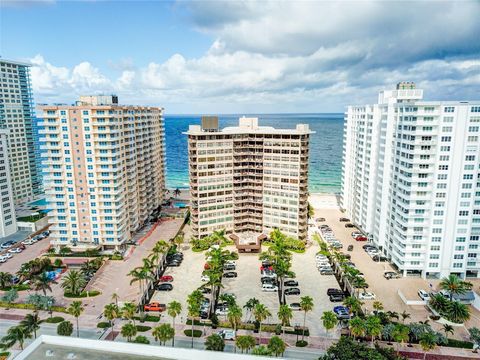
(104, 170)
(248, 179)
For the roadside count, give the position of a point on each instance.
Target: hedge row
(103, 325)
(21, 287)
(30, 307)
(150, 318)
(83, 294)
(143, 328)
(460, 344)
(54, 320)
(196, 333)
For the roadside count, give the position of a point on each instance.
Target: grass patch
(53, 320)
(83, 294)
(103, 325)
(143, 328)
(150, 318)
(21, 287)
(196, 333)
(460, 344)
(32, 218)
(301, 343)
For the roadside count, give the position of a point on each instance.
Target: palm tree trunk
(78, 334)
(192, 330)
(173, 338)
(304, 322)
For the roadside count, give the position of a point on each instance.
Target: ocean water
(325, 146)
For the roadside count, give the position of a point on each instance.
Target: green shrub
(65, 328)
(83, 294)
(301, 343)
(460, 344)
(151, 318)
(4, 354)
(103, 325)
(54, 320)
(143, 328)
(30, 307)
(196, 333)
(21, 287)
(140, 339)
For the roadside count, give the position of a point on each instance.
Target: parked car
(16, 250)
(173, 263)
(221, 311)
(367, 296)
(336, 297)
(361, 238)
(344, 219)
(379, 258)
(269, 287)
(341, 312)
(7, 244)
(230, 274)
(369, 246)
(270, 274)
(164, 287)
(154, 306)
(423, 295)
(290, 283)
(231, 262)
(349, 225)
(292, 291)
(355, 234)
(391, 275)
(205, 278)
(7, 255)
(320, 219)
(229, 267)
(326, 272)
(295, 306)
(227, 334)
(3, 259)
(268, 280)
(332, 291)
(350, 248)
(166, 278)
(205, 290)
(28, 242)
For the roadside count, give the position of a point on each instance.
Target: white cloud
(286, 56)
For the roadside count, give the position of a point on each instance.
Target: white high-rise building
(8, 223)
(104, 170)
(249, 178)
(411, 180)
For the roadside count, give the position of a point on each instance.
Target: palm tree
(245, 342)
(31, 323)
(160, 248)
(42, 283)
(141, 275)
(5, 280)
(306, 305)
(234, 316)
(400, 333)
(194, 304)
(428, 342)
(15, 334)
(75, 309)
(285, 314)
(129, 331)
(111, 312)
(454, 285)
(176, 192)
(276, 346)
(448, 329)
(329, 320)
(377, 306)
(115, 298)
(73, 282)
(174, 309)
(458, 312)
(261, 313)
(392, 315)
(354, 305)
(373, 327)
(405, 316)
(214, 342)
(128, 311)
(250, 305)
(163, 333)
(357, 327)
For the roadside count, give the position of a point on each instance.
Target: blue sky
(244, 56)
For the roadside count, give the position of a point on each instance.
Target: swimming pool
(180, 204)
(41, 202)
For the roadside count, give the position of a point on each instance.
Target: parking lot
(31, 252)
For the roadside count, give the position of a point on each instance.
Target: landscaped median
(83, 294)
(30, 307)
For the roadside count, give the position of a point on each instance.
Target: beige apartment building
(103, 170)
(248, 179)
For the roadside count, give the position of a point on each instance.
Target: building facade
(16, 114)
(8, 223)
(248, 179)
(103, 170)
(411, 180)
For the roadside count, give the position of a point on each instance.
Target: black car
(333, 291)
(380, 258)
(350, 248)
(173, 263)
(164, 287)
(349, 225)
(367, 246)
(206, 290)
(175, 257)
(204, 314)
(230, 274)
(292, 291)
(229, 267)
(343, 219)
(336, 297)
(268, 280)
(266, 263)
(289, 283)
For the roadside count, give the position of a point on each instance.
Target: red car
(206, 266)
(361, 238)
(166, 278)
(154, 306)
